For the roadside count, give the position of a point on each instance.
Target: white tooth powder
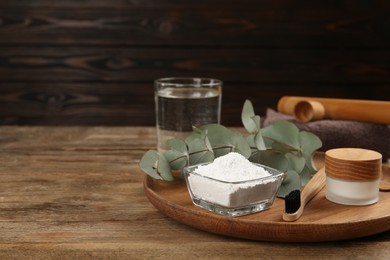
(232, 167)
(228, 183)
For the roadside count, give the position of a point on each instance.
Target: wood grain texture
(77, 192)
(89, 103)
(352, 164)
(114, 50)
(194, 23)
(338, 109)
(322, 220)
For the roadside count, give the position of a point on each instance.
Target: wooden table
(76, 192)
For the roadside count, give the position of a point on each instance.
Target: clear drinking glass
(182, 103)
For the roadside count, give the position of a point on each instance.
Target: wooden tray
(321, 220)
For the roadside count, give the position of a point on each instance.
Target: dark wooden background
(93, 62)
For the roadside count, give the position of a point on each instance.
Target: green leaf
(156, 165)
(305, 175)
(199, 148)
(240, 144)
(250, 121)
(224, 140)
(309, 143)
(290, 182)
(177, 145)
(283, 132)
(295, 162)
(279, 147)
(177, 155)
(197, 133)
(251, 140)
(256, 119)
(259, 141)
(271, 159)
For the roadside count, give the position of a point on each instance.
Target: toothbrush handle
(314, 186)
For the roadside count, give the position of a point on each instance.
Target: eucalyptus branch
(201, 151)
(211, 141)
(289, 147)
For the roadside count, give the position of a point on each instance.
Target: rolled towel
(341, 133)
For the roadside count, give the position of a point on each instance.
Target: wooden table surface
(76, 193)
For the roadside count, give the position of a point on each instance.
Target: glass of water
(182, 103)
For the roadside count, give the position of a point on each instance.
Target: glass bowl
(233, 198)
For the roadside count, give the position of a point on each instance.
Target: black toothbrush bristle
(292, 201)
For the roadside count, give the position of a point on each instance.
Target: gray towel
(340, 133)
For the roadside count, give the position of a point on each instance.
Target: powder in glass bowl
(232, 185)
(232, 167)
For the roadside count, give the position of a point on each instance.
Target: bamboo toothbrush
(295, 201)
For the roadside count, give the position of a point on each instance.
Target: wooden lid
(353, 164)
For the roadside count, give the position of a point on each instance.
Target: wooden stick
(341, 109)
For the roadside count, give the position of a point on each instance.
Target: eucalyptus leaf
(156, 166)
(309, 143)
(283, 132)
(257, 120)
(279, 147)
(259, 141)
(177, 145)
(199, 149)
(251, 124)
(177, 156)
(291, 181)
(176, 159)
(271, 159)
(295, 162)
(240, 145)
(148, 164)
(305, 175)
(224, 140)
(163, 168)
(251, 141)
(268, 142)
(197, 133)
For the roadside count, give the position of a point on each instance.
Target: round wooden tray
(321, 220)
